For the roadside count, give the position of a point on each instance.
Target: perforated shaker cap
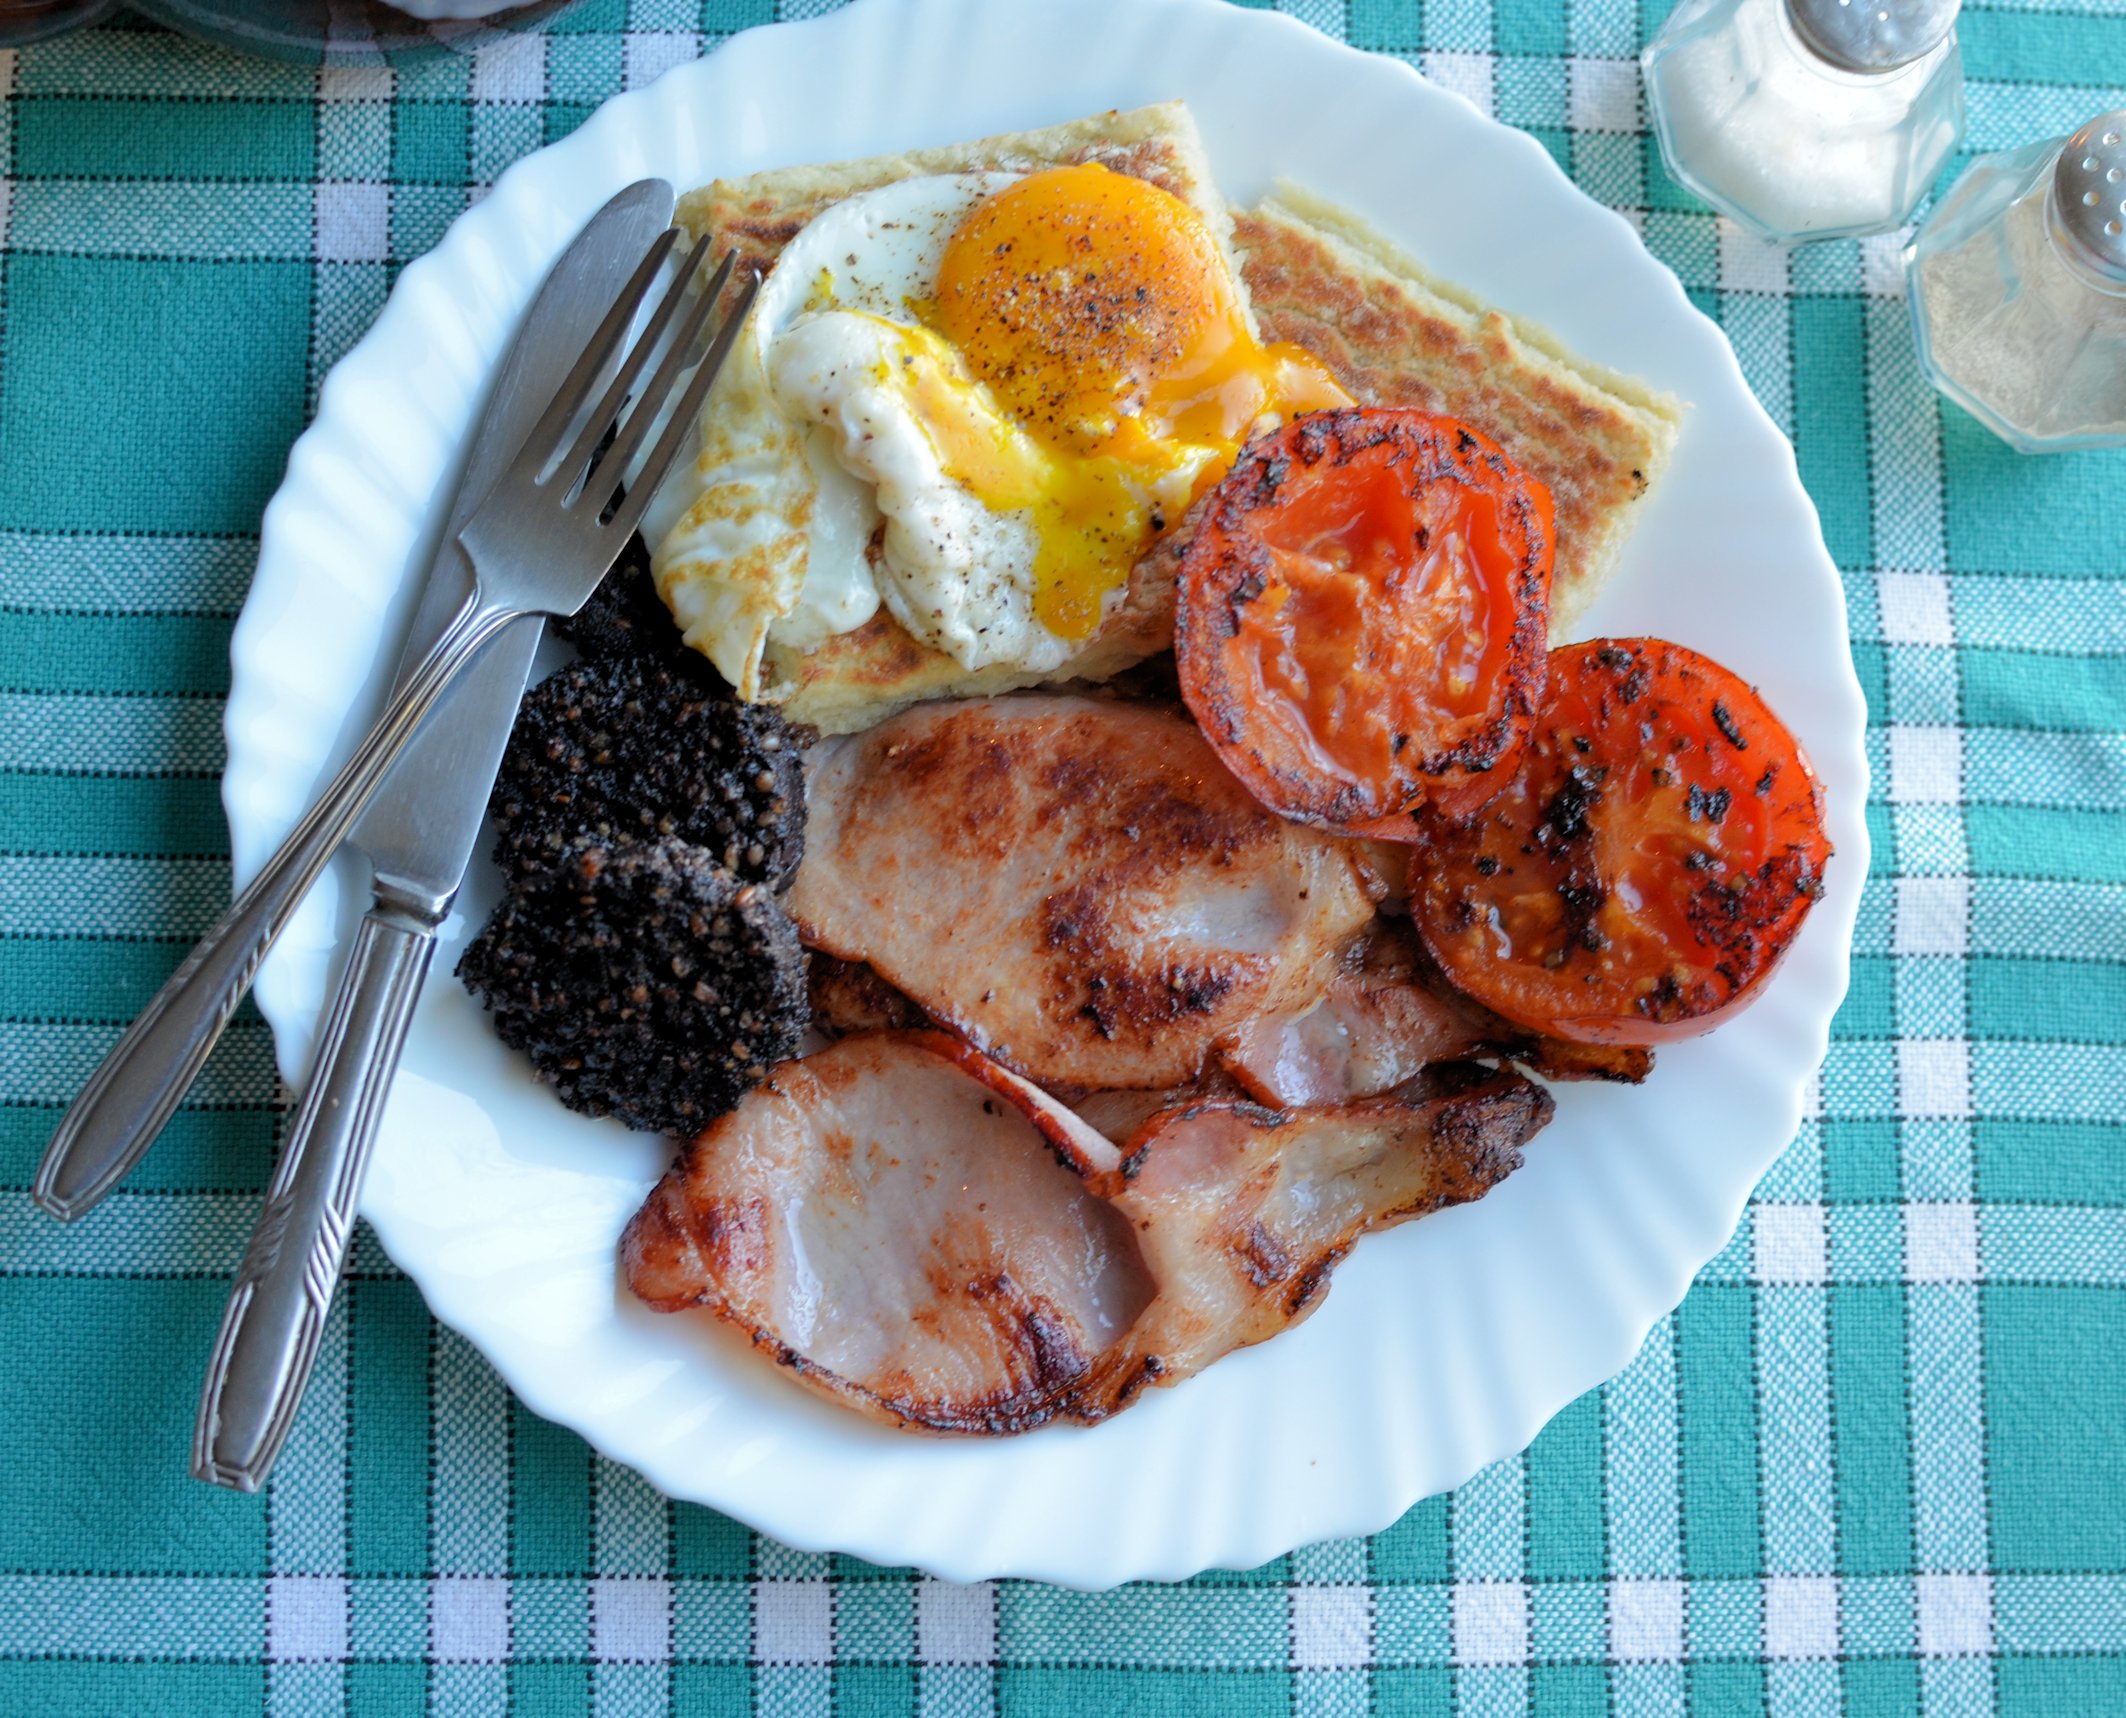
(2089, 186)
(1872, 35)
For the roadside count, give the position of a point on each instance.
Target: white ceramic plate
(1446, 1344)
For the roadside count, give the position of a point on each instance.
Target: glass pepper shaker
(2018, 290)
(1807, 119)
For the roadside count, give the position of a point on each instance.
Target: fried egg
(973, 398)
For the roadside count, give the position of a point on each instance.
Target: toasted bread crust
(1395, 336)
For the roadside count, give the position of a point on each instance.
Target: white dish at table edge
(1443, 1345)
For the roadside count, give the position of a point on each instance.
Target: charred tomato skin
(1361, 615)
(1644, 870)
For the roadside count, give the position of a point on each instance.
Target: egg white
(954, 572)
(810, 444)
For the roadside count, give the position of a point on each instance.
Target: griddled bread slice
(1398, 336)
(857, 679)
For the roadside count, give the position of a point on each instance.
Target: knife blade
(418, 835)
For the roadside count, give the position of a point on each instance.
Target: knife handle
(136, 1087)
(283, 1289)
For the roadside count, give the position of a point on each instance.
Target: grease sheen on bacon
(908, 1228)
(1077, 885)
(1375, 1027)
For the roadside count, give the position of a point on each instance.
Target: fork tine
(659, 388)
(629, 513)
(584, 450)
(554, 421)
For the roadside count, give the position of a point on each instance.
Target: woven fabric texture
(1875, 1464)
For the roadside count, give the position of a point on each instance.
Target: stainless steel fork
(547, 532)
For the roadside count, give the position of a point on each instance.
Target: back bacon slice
(908, 1228)
(1387, 1016)
(1242, 1212)
(1077, 886)
(1375, 1027)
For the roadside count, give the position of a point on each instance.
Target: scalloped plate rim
(262, 798)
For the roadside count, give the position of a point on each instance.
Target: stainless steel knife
(418, 835)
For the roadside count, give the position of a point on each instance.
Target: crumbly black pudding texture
(643, 980)
(625, 617)
(630, 747)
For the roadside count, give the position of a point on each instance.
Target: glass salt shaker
(2018, 290)
(1807, 119)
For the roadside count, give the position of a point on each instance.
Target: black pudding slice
(626, 747)
(626, 617)
(643, 980)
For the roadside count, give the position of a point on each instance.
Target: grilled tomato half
(1361, 616)
(1642, 870)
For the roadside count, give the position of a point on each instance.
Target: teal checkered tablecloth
(1875, 1464)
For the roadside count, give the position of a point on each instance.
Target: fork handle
(283, 1290)
(141, 1082)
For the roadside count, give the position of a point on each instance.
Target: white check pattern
(1851, 1330)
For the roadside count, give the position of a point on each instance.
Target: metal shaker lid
(1872, 35)
(2089, 190)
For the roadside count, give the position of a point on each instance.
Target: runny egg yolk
(1100, 313)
